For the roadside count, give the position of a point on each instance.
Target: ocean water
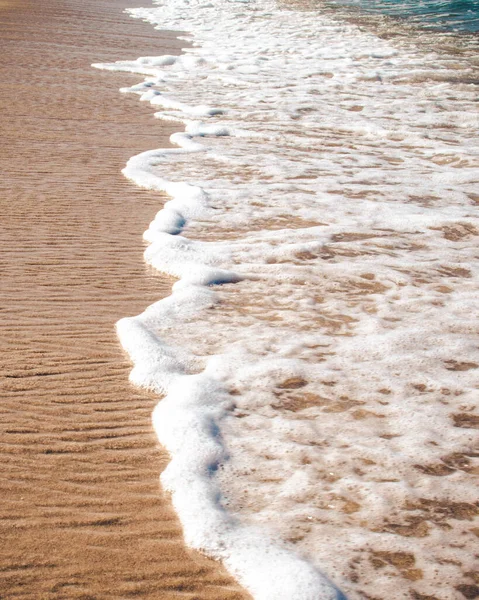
(318, 357)
(457, 16)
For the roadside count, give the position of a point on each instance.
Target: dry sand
(82, 514)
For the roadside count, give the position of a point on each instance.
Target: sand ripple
(82, 515)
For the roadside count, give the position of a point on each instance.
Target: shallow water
(458, 16)
(325, 394)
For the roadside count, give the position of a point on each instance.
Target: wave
(317, 355)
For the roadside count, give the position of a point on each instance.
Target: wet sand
(82, 514)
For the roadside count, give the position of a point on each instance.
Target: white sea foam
(325, 394)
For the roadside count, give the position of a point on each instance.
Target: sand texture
(82, 514)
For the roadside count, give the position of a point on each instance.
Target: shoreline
(84, 514)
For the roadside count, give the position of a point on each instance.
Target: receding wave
(318, 354)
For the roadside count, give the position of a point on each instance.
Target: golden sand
(82, 514)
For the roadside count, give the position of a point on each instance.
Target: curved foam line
(187, 420)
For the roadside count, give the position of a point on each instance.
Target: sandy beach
(82, 513)
(317, 357)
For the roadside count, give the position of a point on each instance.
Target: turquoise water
(459, 15)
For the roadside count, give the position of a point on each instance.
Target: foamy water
(318, 354)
